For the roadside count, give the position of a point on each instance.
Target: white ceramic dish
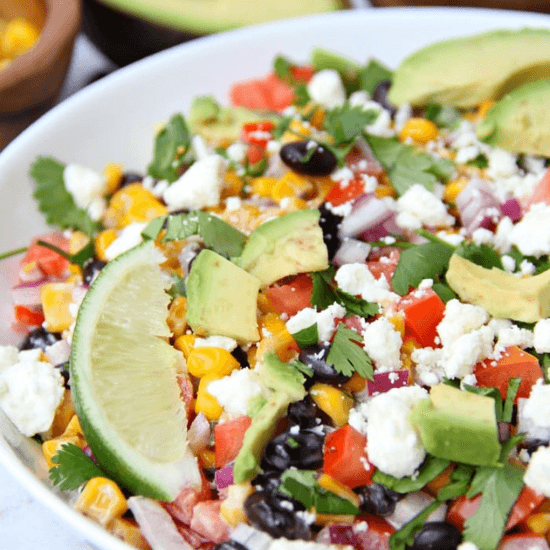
(113, 121)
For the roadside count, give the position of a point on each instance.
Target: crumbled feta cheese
(199, 186)
(58, 353)
(234, 391)
(383, 344)
(237, 151)
(155, 187)
(393, 445)
(402, 116)
(370, 183)
(467, 546)
(527, 268)
(326, 88)
(285, 544)
(30, 392)
(467, 153)
(341, 210)
(452, 238)
(199, 147)
(537, 407)
(459, 319)
(541, 336)
(502, 235)
(529, 422)
(32, 355)
(428, 369)
(501, 164)
(97, 208)
(508, 263)
(128, 237)
(8, 356)
(233, 203)
(84, 184)
(418, 207)
(324, 320)
(223, 342)
(532, 233)
(357, 418)
(514, 336)
(382, 126)
(483, 236)
(537, 475)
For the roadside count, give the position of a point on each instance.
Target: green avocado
(458, 425)
(216, 124)
(222, 299)
(287, 245)
(502, 294)
(279, 376)
(520, 121)
(467, 71)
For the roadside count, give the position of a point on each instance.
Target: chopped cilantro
(292, 442)
(282, 67)
(14, 252)
(307, 336)
(346, 123)
(443, 116)
(459, 482)
(79, 258)
(479, 162)
(372, 74)
(304, 369)
(444, 291)
(177, 288)
(346, 356)
(482, 255)
(153, 228)
(53, 198)
(73, 468)
(404, 537)
(541, 264)
(508, 406)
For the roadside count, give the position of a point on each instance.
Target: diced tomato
(291, 297)
(256, 132)
(341, 194)
(208, 523)
(302, 73)
(254, 153)
(514, 363)
(461, 509)
(190, 537)
(541, 192)
(50, 262)
(423, 312)
(182, 507)
(345, 458)
(376, 534)
(228, 439)
(385, 265)
(29, 316)
(187, 392)
(523, 541)
(267, 94)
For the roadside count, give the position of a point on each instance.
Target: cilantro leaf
(79, 258)
(73, 468)
(425, 261)
(304, 369)
(404, 537)
(444, 291)
(346, 356)
(53, 198)
(171, 145)
(346, 123)
(444, 116)
(459, 481)
(482, 255)
(13, 252)
(282, 67)
(307, 336)
(480, 161)
(541, 264)
(372, 74)
(154, 227)
(178, 287)
(511, 392)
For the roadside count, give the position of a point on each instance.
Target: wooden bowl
(31, 83)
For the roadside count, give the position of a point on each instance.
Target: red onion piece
(478, 207)
(27, 294)
(512, 209)
(224, 477)
(385, 381)
(367, 212)
(524, 541)
(361, 159)
(352, 251)
(199, 433)
(341, 534)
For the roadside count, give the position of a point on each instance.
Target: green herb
(54, 200)
(292, 442)
(430, 469)
(282, 67)
(444, 116)
(73, 468)
(346, 356)
(482, 255)
(346, 123)
(479, 162)
(177, 288)
(304, 369)
(301, 95)
(307, 336)
(511, 392)
(444, 291)
(171, 145)
(459, 482)
(153, 228)
(281, 127)
(14, 252)
(404, 537)
(372, 74)
(346, 68)
(80, 258)
(425, 261)
(541, 264)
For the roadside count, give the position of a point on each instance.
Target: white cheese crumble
(8, 356)
(223, 342)
(30, 392)
(459, 319)
(393, 445)
(532, 233)
(537, 475)
(383, 344)
(326, 88)
(418, 207)
(541, 336)
(467, 546)
(508, 263)
(536, 409)
(324, 320)
(84, 184)
(428, 369)
(199, 186)
(128, 237)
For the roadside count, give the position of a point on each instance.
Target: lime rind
(129, 403)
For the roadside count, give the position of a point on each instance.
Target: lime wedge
(123, 379)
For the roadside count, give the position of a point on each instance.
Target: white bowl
(113, 121)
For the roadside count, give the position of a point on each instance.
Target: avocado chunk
(467, 71)
(520, 121)
(287, 245)
(458, 425)
(279, 376)
(222, 299)
(216, 124)
(502, 294)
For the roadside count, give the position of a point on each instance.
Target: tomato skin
(250, 129)
(265, 94)
(302, 73)
(541, 192)
(376, 536)
(345, 457)
(385, 266)
(228, 439)
(291, 297)
(523, 541)
(50, 262)
(341, 194)
(28, 316)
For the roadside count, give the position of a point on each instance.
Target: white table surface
(25, 524)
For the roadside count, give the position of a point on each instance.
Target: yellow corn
(317, 119)
(294, 203)
(72, 434)
(207, 458)
(207, 361)
(263, 186)
(102, 242)
(63, 415)
(130, 204)
(297, 131)
(176, 316)
(329, 519)
(539, 523)
(113, 175)
(128, 531)
(333, 401)
(453, 188)
(384, 191)
(330, 484)
(276, 338)
(18, 37)
(185, 344)
(484, 107)
(55, 299)
(232, 185)
(419, 130)
(406, 351)
(243, 219)
(207, 403)
(232, 508)
(398, 321)
(101, 500)
(291, 185)
(355, 384)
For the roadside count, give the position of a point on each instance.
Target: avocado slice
(502, 294)
(520, 121)
(280, 376)
(222, 299)
(467, 71)
(287, 245)
(458, 425)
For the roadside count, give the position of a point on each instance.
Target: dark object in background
(525, 5)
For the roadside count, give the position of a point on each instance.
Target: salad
(317, 317)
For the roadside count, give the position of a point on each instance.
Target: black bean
(299, 156)
(91, 268)
(230, 545)
(303, 450)
(240, 355)
(269, 480)
(315, 357)
(377, 499)
(304, 413)
(437, 535)
(130, 177)
(380, 95)
(39, 338)
(275, 514)
(533, 444)
(330, 223)
(63, 368)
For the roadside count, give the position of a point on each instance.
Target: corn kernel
(384, 191)
(232, 508)
(128, 531)
(185, 344)
(398, 321)
(232, 185)
(176, 316)
(205, 361)
(330, 484)
(333, 401)
(72, 434)
(297, 131)
(263, 186)
(453, 188)
(207, 458)
(356, 383)
(539, 523)
(419, 130)
(484, 107)
(291, 185)
(207, 403)
(18, 37)
(102, 242)
(113, 175)
(276, 339)
(63, 415)
(55, 299)
(293, 203)
(131, 204)
(101, 500)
